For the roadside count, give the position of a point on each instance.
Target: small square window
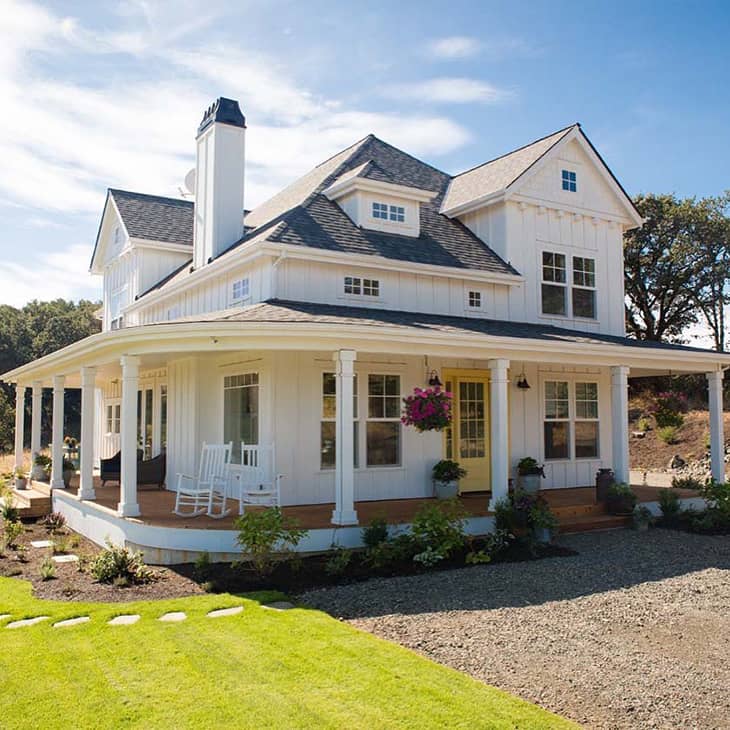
(380, 210)
(240, 290)
(371, 287)
(353, 285)
(475, 299)
(570, 181)
(397, 213)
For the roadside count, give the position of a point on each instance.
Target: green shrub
(47, 569)
(375, 533)
(668, 434)
(643, 424)
(669, 505)
(267, 538)
(8, 510)
(717, 496)
(202, 567)
(669, 420)
(428, 557)
(401, 548)
(115, 563)
(12, 531)
(446, 471)
(440, 527)
(641, 516)
(494, 544)
(687, 483)
(55, 522)
(338, 561)
(620, 499)
(61, 545)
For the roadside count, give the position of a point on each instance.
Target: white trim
(340, 189)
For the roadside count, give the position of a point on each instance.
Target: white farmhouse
(296, 329)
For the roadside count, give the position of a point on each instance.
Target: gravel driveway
(634, 632)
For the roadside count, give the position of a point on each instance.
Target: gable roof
(496, 175)
(154, 217)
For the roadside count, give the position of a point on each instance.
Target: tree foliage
(38, 329)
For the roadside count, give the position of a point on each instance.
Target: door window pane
(163, 417)
(472, 426)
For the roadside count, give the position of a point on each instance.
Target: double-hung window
(584, 287)
(328, 427)
(117, 302)
(570, 427)
(240, 291)
(383, 428)
(559, 292)
(113, 418)
(240, 411)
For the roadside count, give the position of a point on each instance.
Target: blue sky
(110, 94)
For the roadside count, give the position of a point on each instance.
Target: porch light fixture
(433, 379)
(522, 383)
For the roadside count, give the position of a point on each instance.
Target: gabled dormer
(374, 200)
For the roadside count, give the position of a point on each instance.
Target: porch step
(42, 487)
(32, 503)
(588, 523)
(578, 510)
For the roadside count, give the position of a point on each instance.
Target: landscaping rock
(3, 616)
(125, 620)
(65, 558)
(41, 543)
(72, 622)
(26, 622)
(173, 617)
(676, 462)
(225, 612)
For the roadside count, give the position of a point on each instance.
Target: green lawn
(258, 669)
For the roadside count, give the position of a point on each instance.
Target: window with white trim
(398, 213)
(117, 302)
(570, 181)
(475, 300)
(328, 428)
(554, 285)
(570, 427)
(584, 287)
(383, 426)
(113, 418)
(380, 210)
(240, 411)
(240, 291)
(356, 286)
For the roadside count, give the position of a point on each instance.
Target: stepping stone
(41, 543)
(65, 558)
(26, 622)
(124, 620)
(173, 616)
(279, 605)
(225, 612)
(71, 622)
(3, 616)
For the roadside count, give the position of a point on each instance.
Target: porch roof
(290, 325)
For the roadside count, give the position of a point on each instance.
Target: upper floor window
(117, 302)
(240, 291)
(570, 181)
(380, 210)
(475, 299)
(362, 287)
(397, 213)
(555, 286)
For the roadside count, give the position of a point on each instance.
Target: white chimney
(219, 174)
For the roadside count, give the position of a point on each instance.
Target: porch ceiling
(279, 325)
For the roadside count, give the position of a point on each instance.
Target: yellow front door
(468, 440)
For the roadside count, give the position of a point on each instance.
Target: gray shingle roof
(277, 310)
(155, 218)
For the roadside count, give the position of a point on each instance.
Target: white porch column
(717, 435)
(128, 506)
(344, 511)
(19, 424)
(620, 421)
(35, 422)
(57, 455)
(88, 385)
(498, 429)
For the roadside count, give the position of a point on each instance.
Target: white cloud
(455, 46)
(449, 90)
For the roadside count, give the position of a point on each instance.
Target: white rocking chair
(255, 480)
(207, 493)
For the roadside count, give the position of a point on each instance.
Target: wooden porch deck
(574, 507)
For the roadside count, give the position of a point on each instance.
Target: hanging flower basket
(427, 409)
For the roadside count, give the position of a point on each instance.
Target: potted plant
(620, 499)
(41, 464)
(446, 475)
(529, 473)
(427, 409)
(21, 481)
(642, 518)
(68, 471)
(543, 522)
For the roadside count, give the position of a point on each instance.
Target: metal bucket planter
(445, 490)
(529, 483)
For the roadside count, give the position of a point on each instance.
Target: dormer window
(570, 181)
(355, 286)
(475, 300)
(380, 210)
(397, 213)
(240, 291)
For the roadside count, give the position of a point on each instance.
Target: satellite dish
(190, 182)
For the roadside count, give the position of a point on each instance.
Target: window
(240, 411)
(584, 287)
(554, 287)
(117, 302)
(475, 299)
(113, 418)
(380, 210)
(163, 418)
(356, 286)
(383, 420)
(561, 420)
(328, 433)
(570, 182)
(397, 213)
(240, 291)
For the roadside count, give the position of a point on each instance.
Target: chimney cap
(225, 111)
